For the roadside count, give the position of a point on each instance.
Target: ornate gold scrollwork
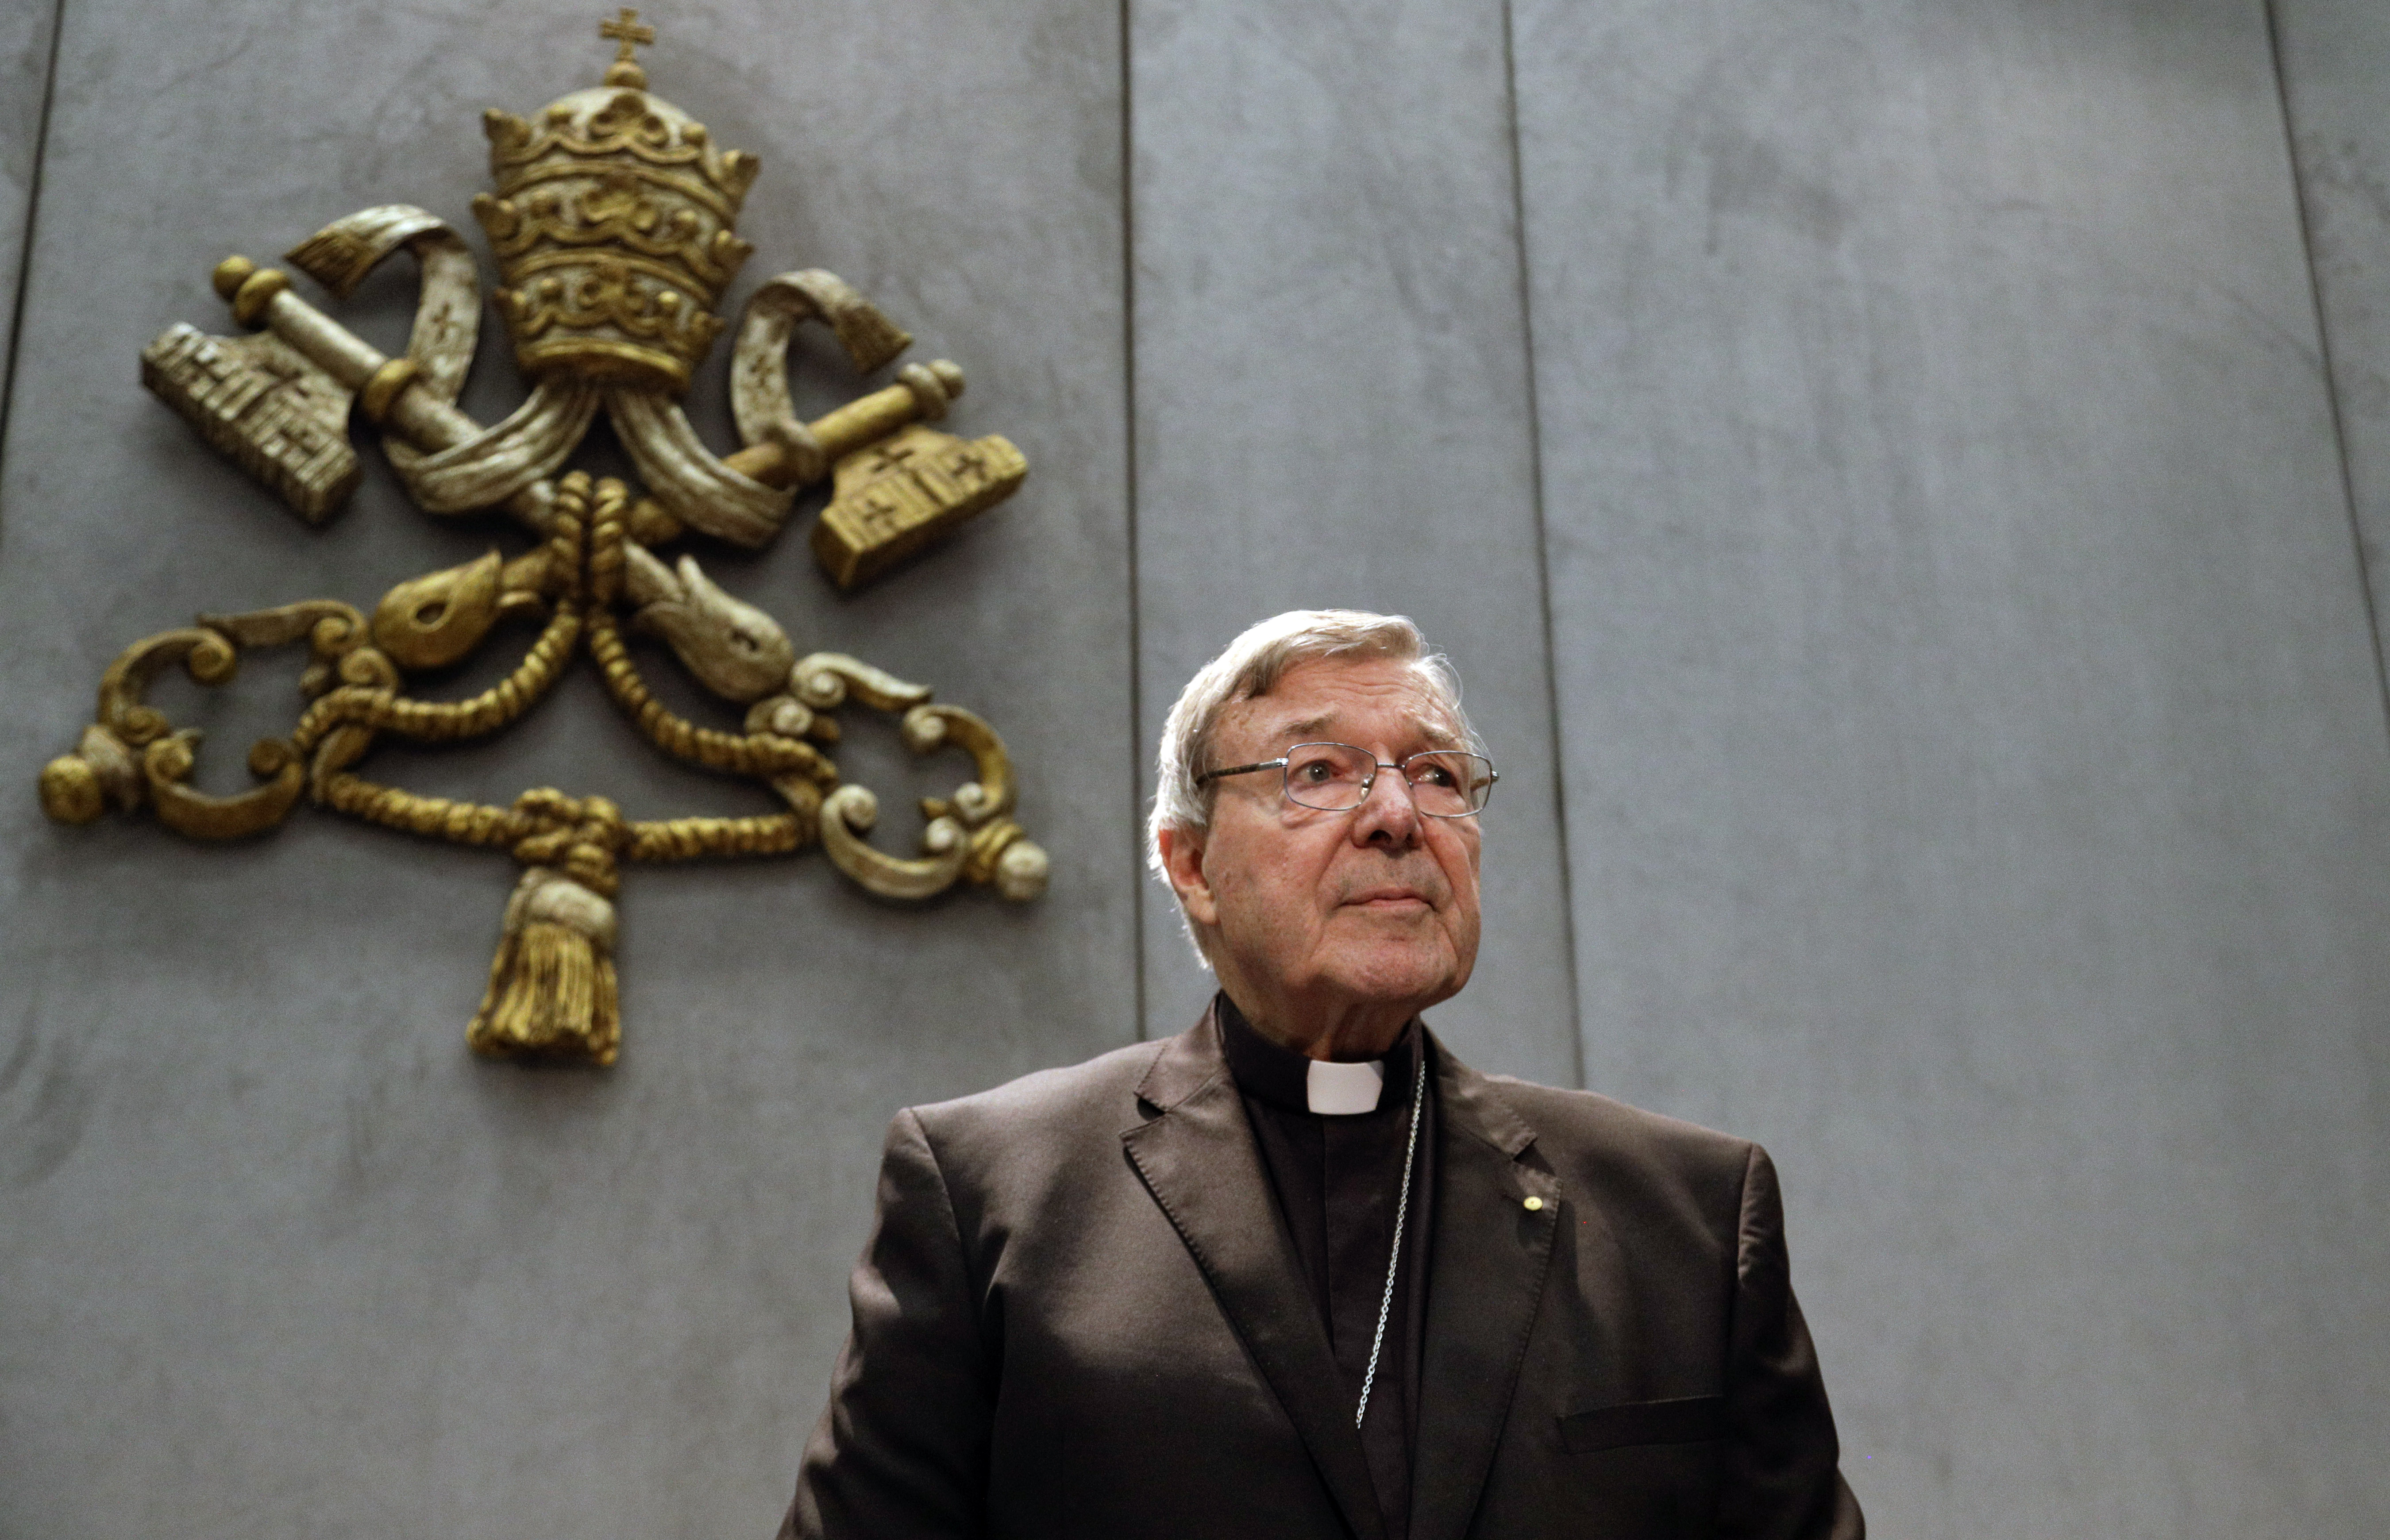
(823, 680)
(613, 225)
(134, 755)
(167, 764)
(849, 814)
(1000, 853)
(968, 836)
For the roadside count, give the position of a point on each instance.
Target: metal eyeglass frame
(1369, 783)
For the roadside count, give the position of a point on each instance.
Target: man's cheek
(1241, 902)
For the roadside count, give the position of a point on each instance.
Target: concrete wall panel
(2337, 91)
(25, 34)
(1976, 769)
(277, 1257)
(1332, 410)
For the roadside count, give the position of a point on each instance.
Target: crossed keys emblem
(613, 226)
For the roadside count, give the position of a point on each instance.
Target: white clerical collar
(1344, 1090)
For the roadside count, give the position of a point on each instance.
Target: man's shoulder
(1049, 1110)
(1590, 1116)
(1100, 1080)
(1599, 1141)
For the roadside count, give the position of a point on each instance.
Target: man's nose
(1388, 815)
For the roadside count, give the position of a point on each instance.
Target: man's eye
(1316, 772)
(1433, 773)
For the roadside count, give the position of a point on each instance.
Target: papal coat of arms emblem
(613, 224)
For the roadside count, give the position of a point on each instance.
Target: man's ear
(1182, 861)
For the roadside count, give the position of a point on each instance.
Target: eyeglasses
(1336, 778)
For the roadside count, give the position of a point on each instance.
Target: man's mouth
(1388, 898)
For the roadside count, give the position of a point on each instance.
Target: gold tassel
(552, 992)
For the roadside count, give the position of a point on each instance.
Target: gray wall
(1889, 473)
(1974, 745)
(2336, 92)
(26, 33)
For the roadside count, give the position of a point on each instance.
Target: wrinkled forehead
(1376, 702)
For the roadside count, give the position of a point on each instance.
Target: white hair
(1250, 667)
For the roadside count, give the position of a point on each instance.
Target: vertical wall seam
(1543, 544)
(1137, 876)
(2324, 344)
(32, 215)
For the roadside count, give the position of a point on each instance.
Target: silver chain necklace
(1402, 1211)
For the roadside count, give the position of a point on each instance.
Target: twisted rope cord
(577, 835)
(381, 709)
(446, 721)
(763, 755)
(690, 839)
(582, 837)
(461, 822)
(436, 817)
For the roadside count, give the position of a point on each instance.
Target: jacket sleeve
(1782, 1479)
(901, 1452)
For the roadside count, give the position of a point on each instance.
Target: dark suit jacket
(1080, 1314)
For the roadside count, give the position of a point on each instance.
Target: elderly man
(1298, 1271)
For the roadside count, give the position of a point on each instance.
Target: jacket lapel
(1485, 1282)
(1199, 1161)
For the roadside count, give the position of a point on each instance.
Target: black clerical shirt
(1338, 1180)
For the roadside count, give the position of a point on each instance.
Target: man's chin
(1400, 974)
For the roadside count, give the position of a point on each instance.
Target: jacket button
(1535, 1205)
